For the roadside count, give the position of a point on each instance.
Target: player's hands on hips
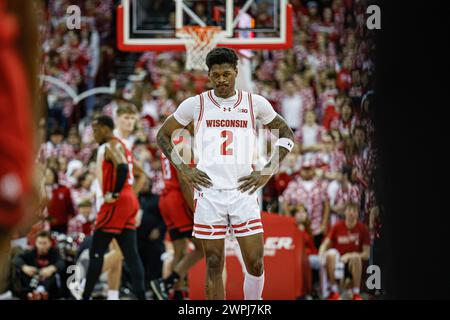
(253, 181)
(196, 178)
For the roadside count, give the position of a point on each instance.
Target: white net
(199, 41)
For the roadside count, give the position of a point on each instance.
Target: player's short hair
(221, 56)
(104, 121)
(126, 108)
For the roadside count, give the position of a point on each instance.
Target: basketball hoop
(199, 41)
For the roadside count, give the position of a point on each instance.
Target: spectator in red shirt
(344, 79)
(60, 207)
(347, 243)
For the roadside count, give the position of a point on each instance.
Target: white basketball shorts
(218, 211)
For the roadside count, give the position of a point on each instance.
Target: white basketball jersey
(225, 138)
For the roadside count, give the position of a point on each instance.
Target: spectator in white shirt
(292, 106)
(310, 134)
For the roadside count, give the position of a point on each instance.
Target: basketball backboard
(151, 25)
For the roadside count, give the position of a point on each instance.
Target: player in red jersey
(117, 215)
(176, 206)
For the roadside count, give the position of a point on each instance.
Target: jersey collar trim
(238, 101)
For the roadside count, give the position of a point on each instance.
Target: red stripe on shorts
(245, 223)
(248, 229)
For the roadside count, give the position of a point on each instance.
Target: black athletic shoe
(159, 289)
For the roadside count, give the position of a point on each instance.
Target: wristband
(285, 143)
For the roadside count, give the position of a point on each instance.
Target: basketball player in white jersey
(224, 181)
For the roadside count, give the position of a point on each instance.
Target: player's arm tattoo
(194, 176)
(164, 140)
(279, 153)
(258, 179)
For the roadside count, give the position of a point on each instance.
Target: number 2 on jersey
(224, 150)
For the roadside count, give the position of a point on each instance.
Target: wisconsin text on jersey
(227, 123)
